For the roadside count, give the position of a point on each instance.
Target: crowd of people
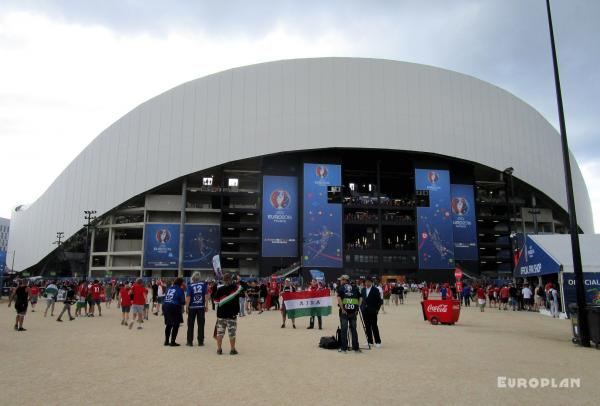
(232, 298)
(503, 296)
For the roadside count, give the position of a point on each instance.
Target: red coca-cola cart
(441, 311)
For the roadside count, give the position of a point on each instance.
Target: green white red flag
(307, 303)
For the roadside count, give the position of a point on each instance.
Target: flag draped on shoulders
(307, 303)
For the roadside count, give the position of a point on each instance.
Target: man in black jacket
(371, 302)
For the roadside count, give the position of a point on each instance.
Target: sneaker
(219, 351)
(189, 344)
(59, 320)
(22, 329)
(166, 343)
(283, 326)
(16, 327)
(377, 345)
(71, 318)
(130, 325)
(139, 327)
(174, 345)
(293, 325)
(233, 352)
(309, 327)
(357, 350)
(200, 344)
(344, 351)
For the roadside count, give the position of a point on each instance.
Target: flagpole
(584, 331)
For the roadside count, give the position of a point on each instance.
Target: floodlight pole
(89, 217)
(584, 331)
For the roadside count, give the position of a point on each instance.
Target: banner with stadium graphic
(322, 222)
(280, 216)
(434, 220)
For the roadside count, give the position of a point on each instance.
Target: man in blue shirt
(195, 307)
(172, 308)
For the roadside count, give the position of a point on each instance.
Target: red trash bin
(441, 311)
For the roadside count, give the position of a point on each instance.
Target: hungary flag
(308, 303)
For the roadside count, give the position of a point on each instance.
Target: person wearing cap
(349, 301)
(287, 287)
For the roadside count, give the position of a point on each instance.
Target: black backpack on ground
(331, 342)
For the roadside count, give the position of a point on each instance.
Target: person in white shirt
(527, 297)
(553, 293)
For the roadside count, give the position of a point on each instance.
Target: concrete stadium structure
(377, 119)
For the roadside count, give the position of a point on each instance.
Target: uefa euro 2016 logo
(321, 172)
(433, 177)
(460, 207)
(280, 199)
(163, 236)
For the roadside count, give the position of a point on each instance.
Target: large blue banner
(2, 261)
(464, 222)
(434, 223)
(280, 216)
(322, 234)
(200, 244)
(534, 261)
(591, 283)
(161, 246)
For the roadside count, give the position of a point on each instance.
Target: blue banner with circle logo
(280, 216)
(161, 246)
(322, 231)
(434, 222)
(464, 222)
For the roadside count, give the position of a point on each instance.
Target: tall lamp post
(584, 331)
(89, 217)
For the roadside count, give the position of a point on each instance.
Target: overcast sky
(68, 69)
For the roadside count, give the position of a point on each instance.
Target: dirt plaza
(97, 361)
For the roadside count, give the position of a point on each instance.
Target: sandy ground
(93, 361)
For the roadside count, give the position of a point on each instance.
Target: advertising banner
(317, 275)
(201, 243)
(434, 222)
(464, 222)
(280, 216)
(161, 246)
(2, 261)
(591, 282)
(322, 233)
(534, 261)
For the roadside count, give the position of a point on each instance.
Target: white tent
(558, 246)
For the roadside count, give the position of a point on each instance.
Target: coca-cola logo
(441, 308)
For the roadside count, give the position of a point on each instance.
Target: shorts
(160, 299)
(34, 299)
(229, 324)
(137, 308)
(147, 306)
(491, 298)
(125, 309)
(21, 308)
(80, 305)
(481, 302)
(504, 300)
(97, 301)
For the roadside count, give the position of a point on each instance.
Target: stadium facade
(361, 166)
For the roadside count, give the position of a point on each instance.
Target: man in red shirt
(503, 298)
(34, 292)
(481, 298)
(124, 303)
(96, 291)
(139, 300)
